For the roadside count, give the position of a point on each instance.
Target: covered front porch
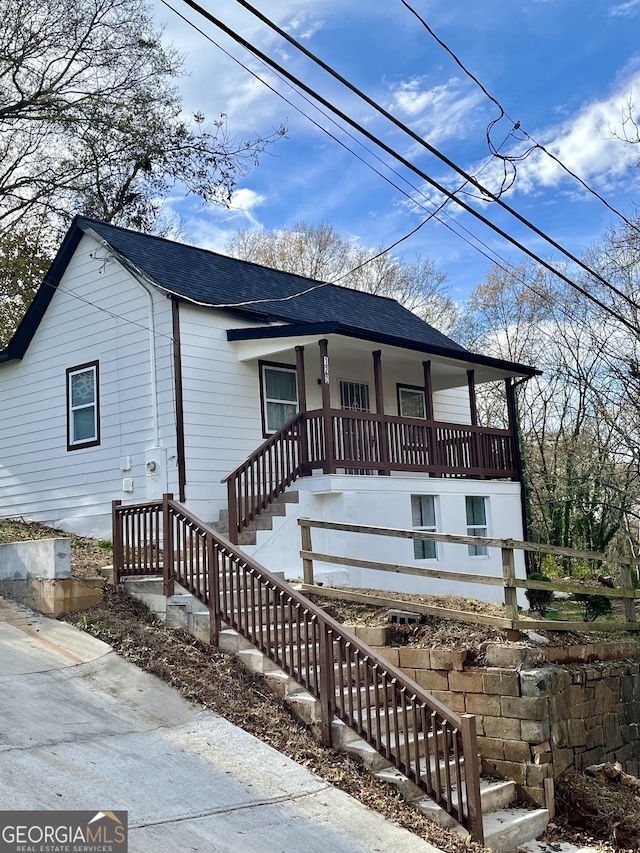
(333, 402)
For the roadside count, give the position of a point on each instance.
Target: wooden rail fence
(348, 678)
(513, 619)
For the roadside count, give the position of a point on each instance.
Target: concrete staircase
(278, 508)
(506, 827)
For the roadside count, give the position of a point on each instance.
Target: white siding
(221, 397)
(386, 502)
(97, 314)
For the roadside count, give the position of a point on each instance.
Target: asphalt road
(81, 728)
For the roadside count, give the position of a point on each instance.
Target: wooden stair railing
(264, 475)
(348, 678)
(362, 441)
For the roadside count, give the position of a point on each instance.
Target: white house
(145, 366)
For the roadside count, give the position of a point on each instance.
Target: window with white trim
(83, 418)
(476, 523)
(411, 402)
(423, 517)
(279, 396)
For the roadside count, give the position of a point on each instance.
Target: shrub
(593, 606)
(539, 599)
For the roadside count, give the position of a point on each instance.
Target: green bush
(593, 606)
(539, 599)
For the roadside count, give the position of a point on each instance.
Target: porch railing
(363, 441)
(347, 677)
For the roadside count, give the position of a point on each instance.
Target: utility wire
(469, 178)
(256, 52)
(504, 113)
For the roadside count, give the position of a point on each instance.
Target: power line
(504, 113)
(256, 52)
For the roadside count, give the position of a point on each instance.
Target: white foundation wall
(386, 502)
(99, 313)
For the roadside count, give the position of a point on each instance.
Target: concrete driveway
(80, 728)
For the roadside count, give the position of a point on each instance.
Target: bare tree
(91, 120)
(321, 253)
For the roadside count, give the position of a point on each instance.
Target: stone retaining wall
(539, 710)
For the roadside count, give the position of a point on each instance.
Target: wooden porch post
(300, 379)
(428, 413)
(512, 410)
(428, 391)
(474, 449)
(303, 447)
(471, 380)
(325, 383)
(382, 425)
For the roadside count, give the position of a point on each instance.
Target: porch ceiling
(448, 369)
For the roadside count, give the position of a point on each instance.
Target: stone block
(448, 659)
(535, 682)
(373, 635)
(524, 708)
(465, 682)
(501, 683)
(536, 796)
(611, 728)
(491, 747)
(562, 759)
(577, 732)
(560, 733)
(416, 658)
(595, 739)
(454, 701)
(479, 703)
(537, 773)
(513, 770)
(502, 727)
(390, 654)
(432, 679)
(516, 750)
(535, 731)
(512, 657)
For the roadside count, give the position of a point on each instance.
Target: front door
(354, 397)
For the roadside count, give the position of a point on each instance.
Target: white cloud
(586, 144)
(438, 112)
(301, 27)
(625, 10)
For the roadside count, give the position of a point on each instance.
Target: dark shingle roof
(212, 279)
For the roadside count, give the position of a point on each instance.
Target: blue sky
(563, 68)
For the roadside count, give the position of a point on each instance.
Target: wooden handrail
(362, 440)
(348, 678)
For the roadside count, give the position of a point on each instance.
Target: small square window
(411, 402)
(83, 419)
(423, 517)
(476, 523)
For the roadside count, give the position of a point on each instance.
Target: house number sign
(325, 369)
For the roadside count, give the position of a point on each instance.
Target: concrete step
(508, 829)
(495, 796)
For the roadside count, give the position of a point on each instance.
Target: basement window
(423, 517)
(476, 523)
(83, 414)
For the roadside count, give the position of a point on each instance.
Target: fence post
(307, 564)
(327, 683)
(510, 591)
(116, 538)
(629, 603)
(472, 776)
(232, 503)
(214, 592)
(168, 573)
